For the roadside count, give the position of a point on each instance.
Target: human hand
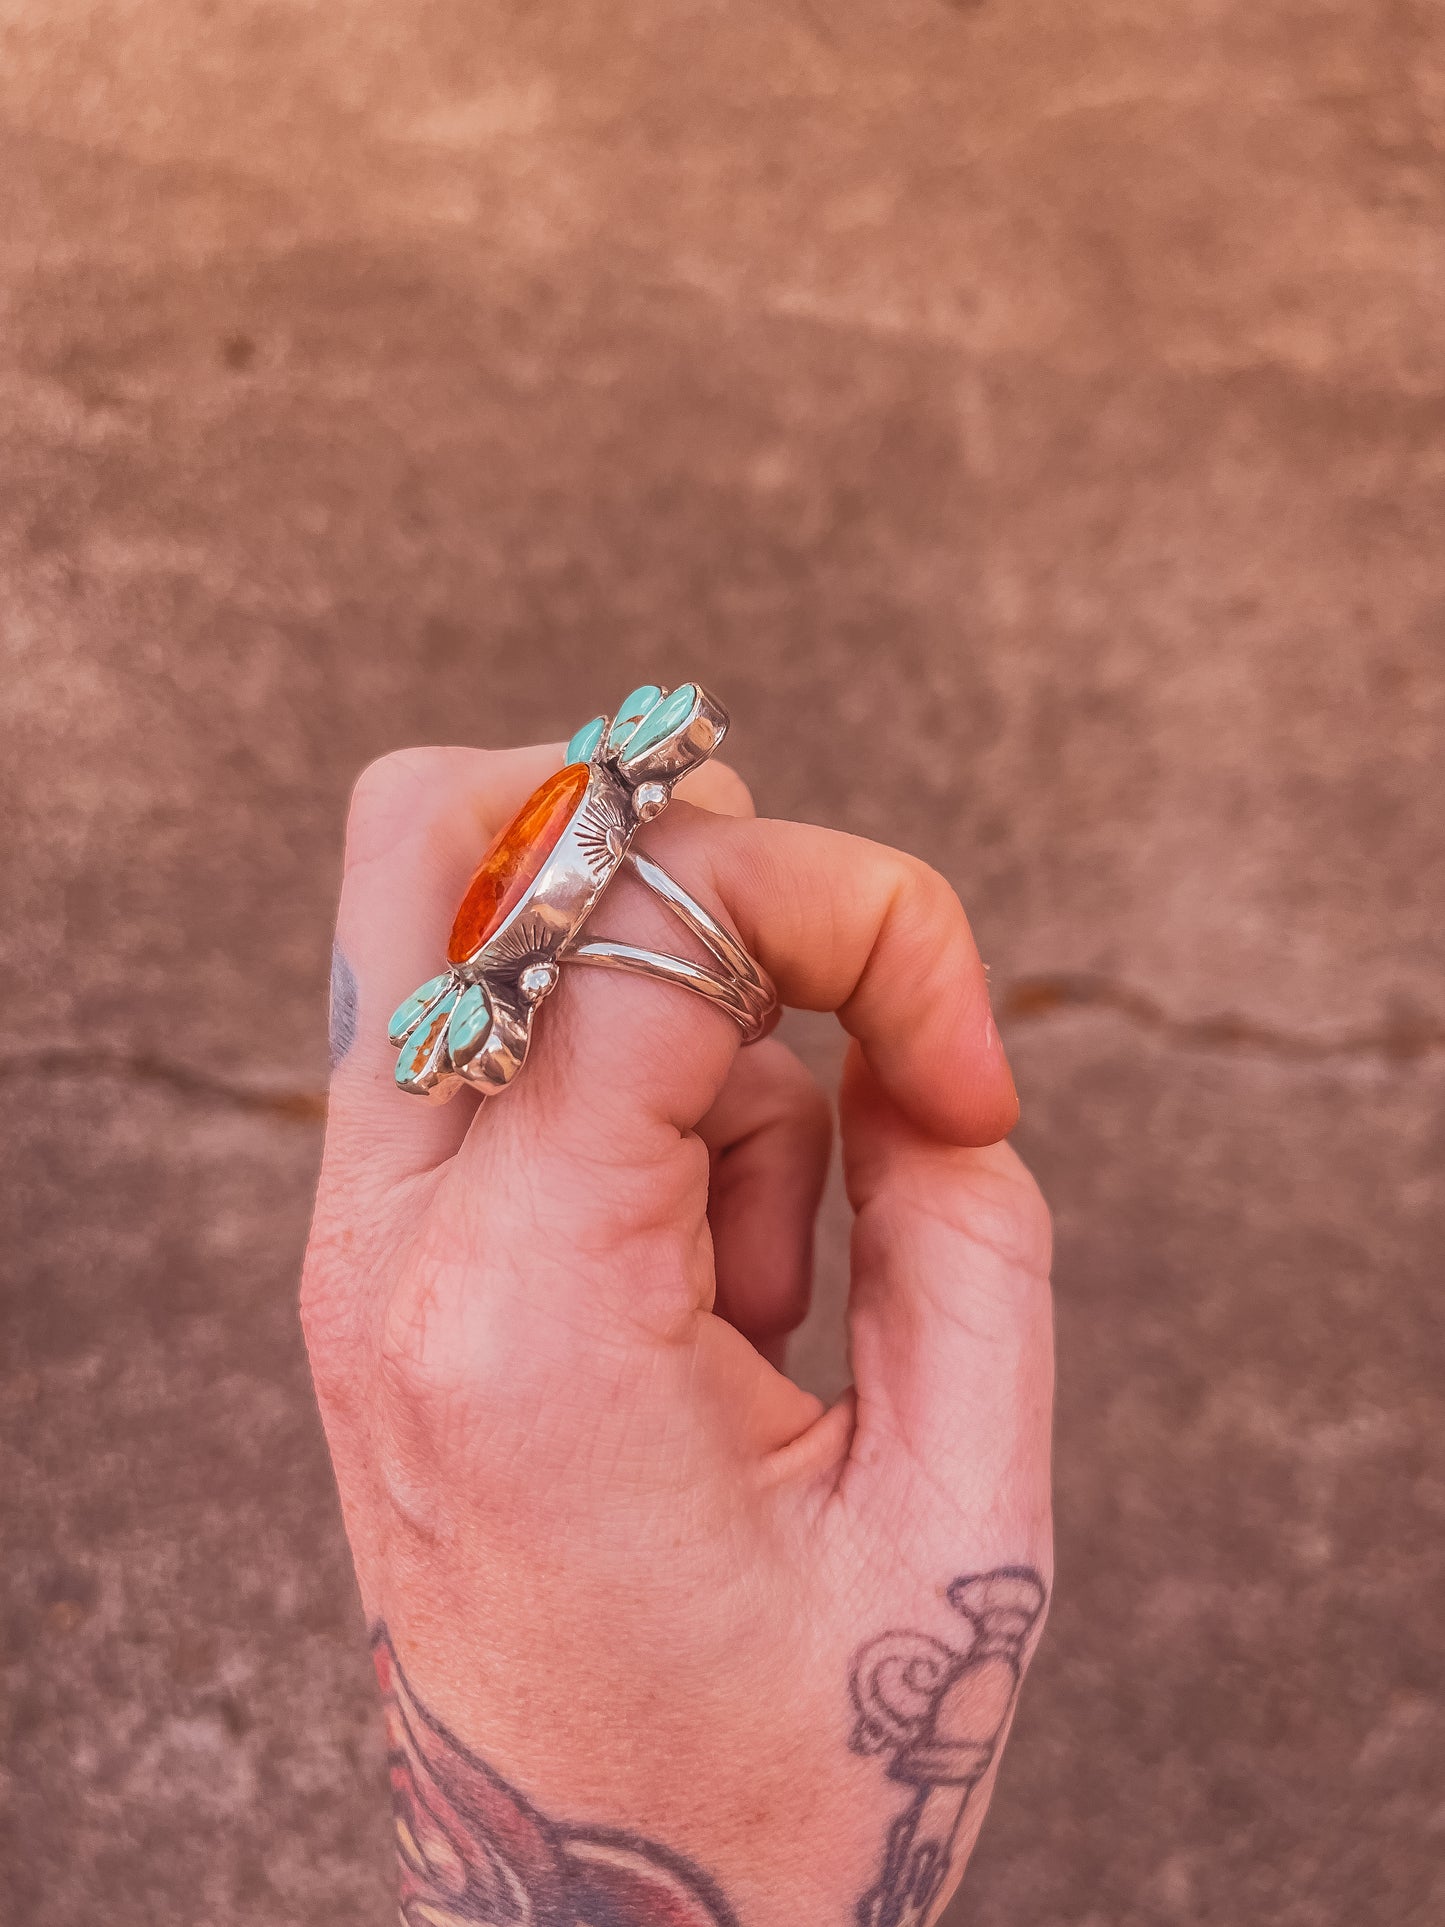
(663, 1642)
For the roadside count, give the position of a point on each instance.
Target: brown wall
(1029, 419)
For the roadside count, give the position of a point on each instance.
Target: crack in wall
(297, 1106)
(1028, 999)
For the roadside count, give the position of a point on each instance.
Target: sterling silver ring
(522, 916)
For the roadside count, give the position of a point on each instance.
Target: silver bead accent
(536, 980)
(649, 800)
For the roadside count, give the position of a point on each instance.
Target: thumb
(950, 1328)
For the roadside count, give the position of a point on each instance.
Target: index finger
(840, 924)
(847, 925)
(875, 935)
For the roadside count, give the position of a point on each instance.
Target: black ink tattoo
(938, 1710)
(343, 1005)
(474, 1850)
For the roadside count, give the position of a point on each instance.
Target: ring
(540, 880)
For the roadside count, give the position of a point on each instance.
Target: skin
(621, 1556)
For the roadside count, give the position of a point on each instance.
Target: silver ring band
(741, 988)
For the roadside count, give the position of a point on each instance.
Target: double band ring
(523, 914)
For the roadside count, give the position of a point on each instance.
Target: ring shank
(740, 987)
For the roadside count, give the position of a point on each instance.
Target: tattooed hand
(663, 1642)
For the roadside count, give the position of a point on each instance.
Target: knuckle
(395, 774)
(442, 1342)
(929, 889)
(389, 798)
(430, 1418)
(1007, 1212)
(920, 903)
(988, 1198)
(996, 1238)
(422, 1356)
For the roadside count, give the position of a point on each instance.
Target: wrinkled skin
(621, 1556)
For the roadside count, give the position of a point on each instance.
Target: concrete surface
(1045, 403)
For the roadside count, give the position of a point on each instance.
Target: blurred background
(1029, 419)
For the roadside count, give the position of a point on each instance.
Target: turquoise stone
(630, 712)
(471, 1020)
(662, 720)
(423, 1059)
(584, 743)
(408, 1015)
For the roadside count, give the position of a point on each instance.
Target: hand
(661, 1639)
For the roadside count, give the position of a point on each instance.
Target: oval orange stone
(514, 859)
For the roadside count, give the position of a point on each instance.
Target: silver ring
(523, 914)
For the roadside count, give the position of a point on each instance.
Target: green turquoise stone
(630, 712)
(584, 744)
(471, 1020)
(423, 1058)
(662, 720)
(408, 1015)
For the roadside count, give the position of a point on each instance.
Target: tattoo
(938, 1712)
(474, 1850)
(343, 1005)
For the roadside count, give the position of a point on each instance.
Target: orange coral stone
(514, 859)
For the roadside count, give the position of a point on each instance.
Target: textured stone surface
(1075, 374)
(514, 859)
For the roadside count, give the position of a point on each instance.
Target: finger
(852, 926)
(418, 822)
(950, 1321)
(716, 786)
(768, 1137)
(841, 924)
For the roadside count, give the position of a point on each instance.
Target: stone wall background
(1029, 417)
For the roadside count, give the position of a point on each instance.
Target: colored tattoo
(343, 1005)
(474, 1850)
(937, 1712)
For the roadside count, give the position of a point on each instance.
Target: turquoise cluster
(644, 718)
(440, 1028)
